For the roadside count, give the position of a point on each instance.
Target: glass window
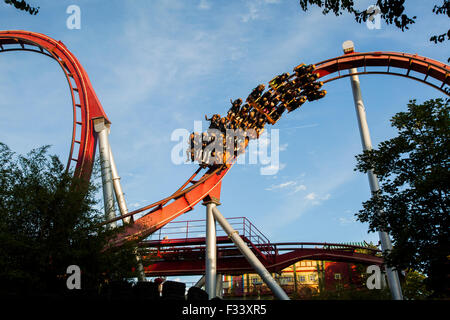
(337, 276)
(301, 278)
(286, 280)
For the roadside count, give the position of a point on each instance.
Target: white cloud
(311, 196)
(272, 168)
(298, 188)
(312, 125)
(254, 9)
(315, 199)
(281, 185)
(204, 5)
(290, 185)
(252, 13)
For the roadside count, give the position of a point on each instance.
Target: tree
(413, 201)
(392, 12)
(413, 287)
(48, 221)
(22, 5)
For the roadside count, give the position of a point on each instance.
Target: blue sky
(157, 66)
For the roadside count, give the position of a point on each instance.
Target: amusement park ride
(91, 126)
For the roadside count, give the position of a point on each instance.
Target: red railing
(177, 231)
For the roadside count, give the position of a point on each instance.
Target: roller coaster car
(296, 103)
(313, 86)
(256, 93)
(300, 66)
(288, 96)
(213, 118)
(235, 105)
(285, 87)
(303, 69)
(266, 97)
(236, 102)
(278, 80)
(307, 78)
(316, 95)
(278, 112)
(230, 115)
(245, 108)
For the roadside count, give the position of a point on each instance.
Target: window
(286, 280)
(312, 277)
(301, 278)
(256, 280)
(337, 276)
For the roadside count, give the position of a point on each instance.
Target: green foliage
(22, 5)
(414, 287)
(413, 201)
(392, 12)
(445, 10)
(48, 221)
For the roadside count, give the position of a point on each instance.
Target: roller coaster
(206, 181)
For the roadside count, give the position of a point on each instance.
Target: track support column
(102, 127)
(121, 203)
(200, 283)
(250, 256)
(118, 188)
(211, 248)
(219, 285)
(386, 245)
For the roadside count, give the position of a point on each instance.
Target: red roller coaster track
(87, 107)
(179, 249)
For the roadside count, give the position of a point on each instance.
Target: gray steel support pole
(102, 129)
(118, 188)
(386, 245)
(201, 282)
(250, 256)
(124, 210)
(111, 183)
(211, 251)
(219, 286)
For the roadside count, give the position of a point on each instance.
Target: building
(302, 279)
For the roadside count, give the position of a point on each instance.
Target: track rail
(430, 68)
(172, 259)
(386, 61)
(85, 103)
(87, 107)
